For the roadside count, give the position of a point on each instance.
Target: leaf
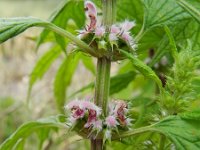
(121, 81)
(42, 136)
(88, 63)
(42, 66)
(192, 115)
(28, 128)
(132, 10)
(143, 68)
(12, 27)
(172, 43)
(185, 134)
(63, 79)
(163, 12)
(68, 10)
(190, 8)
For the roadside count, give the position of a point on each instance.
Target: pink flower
(78, 113)
(111, 121)
(113, 37)
(100, 31)
(129, 39)
(91, 13)
(92, 117)
(90, 9)
(72, 104)
(127, 25)
(115, 29)
(126, 36)
(120, 111)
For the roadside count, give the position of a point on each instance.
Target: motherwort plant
(125, 111)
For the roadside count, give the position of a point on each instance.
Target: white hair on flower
(72, 104)
(100, 31)
(127, 25)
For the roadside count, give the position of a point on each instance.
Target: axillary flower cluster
(107, 40)
(90, 117)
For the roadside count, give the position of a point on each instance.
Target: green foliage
(159, 13)
(42, 65)
(68, 10)
(12, 27)
(28, 128)
(144, 69)
(63, 79)
(190, 8)
(184, 134)
(179, 87)
(165, 26)
(117, 83)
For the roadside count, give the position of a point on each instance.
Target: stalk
(102, 85)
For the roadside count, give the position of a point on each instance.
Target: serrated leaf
(69, 9)
(63, 79)
(192, 115)
(28, 128)
(163, 12)
(143, 68)
(172, 43)
(185, 134)
(12, 27)
(191, 9)
(42, 65)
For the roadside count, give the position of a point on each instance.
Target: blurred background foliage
(67, 75)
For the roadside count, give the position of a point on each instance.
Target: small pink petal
(127, 25)
(72, 104)
(78, 113)
(115, 29)
(113, 37)
(126, 36)
(111, 121)
(100, 31)
(90, 8)
(98, 125)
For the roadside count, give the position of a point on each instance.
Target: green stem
(82, 45)
(96, 144)
(133, 132)
(162, 142)
(102, 85)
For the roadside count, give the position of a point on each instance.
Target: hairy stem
(102, 83)
(103, 70)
